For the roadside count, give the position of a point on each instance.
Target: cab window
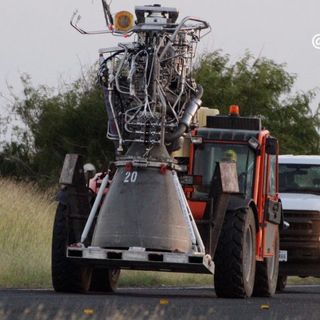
(207, 156)
(272, 183)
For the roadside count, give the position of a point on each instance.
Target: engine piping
(190, 111)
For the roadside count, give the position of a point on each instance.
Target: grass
(148, 279)
(141, 279)
(26, 220)
(305, 281)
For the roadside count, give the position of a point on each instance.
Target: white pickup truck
(300, 196)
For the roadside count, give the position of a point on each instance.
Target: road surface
(297, 302)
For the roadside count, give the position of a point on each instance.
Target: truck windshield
(207, 156)
(299, 178)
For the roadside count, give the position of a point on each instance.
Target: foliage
(26, 219)
(73, 120)
(262, 87)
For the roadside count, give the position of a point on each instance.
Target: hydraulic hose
(191, 109)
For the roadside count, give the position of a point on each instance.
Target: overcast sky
(36, 37)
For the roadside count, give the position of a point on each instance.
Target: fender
(237, 202)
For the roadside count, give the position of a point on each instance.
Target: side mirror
(272, 146)
(254, 144)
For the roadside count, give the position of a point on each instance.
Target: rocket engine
(151, 100)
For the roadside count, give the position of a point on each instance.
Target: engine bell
(142, 209)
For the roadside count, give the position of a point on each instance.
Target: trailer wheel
(281, 283)
(66, 275)
(235, 257)
(104, 280)
(267, 273)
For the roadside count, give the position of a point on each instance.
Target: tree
(262, 87)
(72, 121)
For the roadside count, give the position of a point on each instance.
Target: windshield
(206, 157)
(299, 178)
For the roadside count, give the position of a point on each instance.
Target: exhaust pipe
(190, 111)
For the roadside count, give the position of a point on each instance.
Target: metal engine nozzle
(144, 206)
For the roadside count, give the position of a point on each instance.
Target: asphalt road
(297, 302)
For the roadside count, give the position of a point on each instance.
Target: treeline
(74, 120)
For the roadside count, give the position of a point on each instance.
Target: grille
(304, 226)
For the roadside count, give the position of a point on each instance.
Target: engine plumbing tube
(191, 109)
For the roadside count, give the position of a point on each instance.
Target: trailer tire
(104, 280)
(267, 274)
(235, 258)
(281, 283)
(66, 275)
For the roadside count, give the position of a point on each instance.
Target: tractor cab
(243, 141)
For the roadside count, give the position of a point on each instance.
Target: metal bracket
(140, 259)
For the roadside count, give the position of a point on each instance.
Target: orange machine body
(265, 170)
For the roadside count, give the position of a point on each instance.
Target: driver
(230, 155)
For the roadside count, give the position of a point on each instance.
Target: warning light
(234, 110)
(123, 21)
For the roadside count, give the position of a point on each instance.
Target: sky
(36, 37)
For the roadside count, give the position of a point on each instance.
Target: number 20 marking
(131, 177)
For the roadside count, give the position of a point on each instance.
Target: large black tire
(281, 283)
(235, 257)
(104, 280)
(267, 273)
(66, 275)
